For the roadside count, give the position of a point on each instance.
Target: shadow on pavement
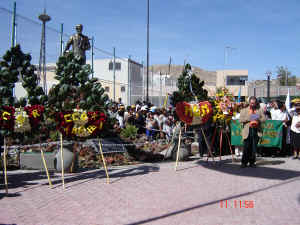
(120, 173)
(8, 224)
(149, 220)
(226, 166)
(26, 179)
(34, 178)
(9, 195)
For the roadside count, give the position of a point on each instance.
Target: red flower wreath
(35, 114)
(7, 118)
(64, 125)
(96, 119)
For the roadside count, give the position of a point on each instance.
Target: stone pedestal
(34, 160)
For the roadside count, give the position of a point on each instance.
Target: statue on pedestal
(80, 43)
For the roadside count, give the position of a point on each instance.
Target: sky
(256, 35)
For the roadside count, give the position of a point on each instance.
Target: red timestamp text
(237, 204)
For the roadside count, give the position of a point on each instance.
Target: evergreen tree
(285, 77)
(189, 86)
(75, 88)
(16, 66)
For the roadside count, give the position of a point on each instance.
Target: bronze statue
(80, 43)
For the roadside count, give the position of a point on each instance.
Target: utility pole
(143, 74)
(42, 63)
(226, 53)
(268, 73)
(129, 82)
(170, 65)
(114, 69)
(152, 94)
(147, 90)
(93, 57)
(160, 90)
(286, 77)
(13, 35)
(61, 39)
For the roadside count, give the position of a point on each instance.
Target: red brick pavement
(156, 194)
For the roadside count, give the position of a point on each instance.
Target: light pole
(268, 73)
(227, 48)
(13, 36)
(61, 39)
(42, 63)
(147, 90)
(114, 74)
(93, 57)
(286, 77)
(225, 60)
(129, 81)
(160, 90)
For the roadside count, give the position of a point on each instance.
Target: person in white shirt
(126, 115)
(167, 129)
(273, 109)
(282, 115)
(120, 116)
(238, 149)
(295, 129)
(278, 112)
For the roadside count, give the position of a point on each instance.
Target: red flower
(64, 124)
(35, 114)
(7, 118)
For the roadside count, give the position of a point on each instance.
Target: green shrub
(129, 131)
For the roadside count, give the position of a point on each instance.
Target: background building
(235, 80)
(130, 80)
(259, 88)
(128, 83)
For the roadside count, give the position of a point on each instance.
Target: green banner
(272, 134)
(236, 133)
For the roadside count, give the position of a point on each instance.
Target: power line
(57, 31)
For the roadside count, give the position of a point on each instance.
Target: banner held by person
(272, 134)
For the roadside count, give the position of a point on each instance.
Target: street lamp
(268, 73)
(227, 48)
(147, 89)
(286, 77)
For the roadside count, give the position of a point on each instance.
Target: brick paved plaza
(157, 194)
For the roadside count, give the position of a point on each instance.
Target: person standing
(295, 129)
(251, 119)
(238, 149)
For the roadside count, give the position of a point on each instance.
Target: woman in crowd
(295, 129)
(120, 116)
(238, 149)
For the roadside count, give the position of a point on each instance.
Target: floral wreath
(21, 119)
(80, 123)
(7, 118)
(35, 114)
(223, 106)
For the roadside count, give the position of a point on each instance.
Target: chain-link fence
(275, 91)
(130, 79)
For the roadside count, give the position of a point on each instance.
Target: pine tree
(16, 66)
(75, 88)
(189, 86)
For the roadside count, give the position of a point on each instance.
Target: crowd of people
(150, 120)
(158, 123)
